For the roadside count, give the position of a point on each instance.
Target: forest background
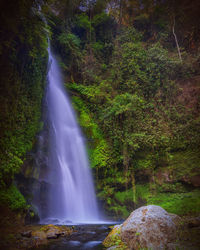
(132, 70)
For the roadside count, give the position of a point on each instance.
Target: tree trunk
(133, 187)
(176, 40)
(120, 12)
(125, 163)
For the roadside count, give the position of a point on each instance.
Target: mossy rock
(45, 228)
(40, 237)
(52, 230)
(114, 239)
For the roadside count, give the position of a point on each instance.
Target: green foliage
(131, 95)
(97, 46)
(99, 151)
(149, 68)
(88, 91)
(69, 40)
(84, 22)
(13, 198)
(69, 47)
(23, 69)
(185, 163)
(178, 203)
(142, 130)
(142, 192)
(129, 88)
(125, 104)
(172, 188)
(172, 197)
(145, 163)
(10, 165)
(125, 196)
(100, 19)
(100, 155)
(120, 210)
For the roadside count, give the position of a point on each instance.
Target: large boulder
(149, 227)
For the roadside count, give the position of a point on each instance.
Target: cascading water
(71, 194)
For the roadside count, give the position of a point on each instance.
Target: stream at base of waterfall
(85, 237)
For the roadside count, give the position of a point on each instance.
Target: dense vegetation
(132, 69)
(137, 100)
(23, 67)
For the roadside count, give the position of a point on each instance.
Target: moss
(174, 198)
(124, 196)
(172, 188)
(142, 192)
(120, 210)
(185, 163)
(177, 203)
(13, 198)
(122, 203)
(23, 77)
(144, 160)
(99, 152)
(47, 227)
(114, 239)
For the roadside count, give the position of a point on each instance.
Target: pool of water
(84, 237)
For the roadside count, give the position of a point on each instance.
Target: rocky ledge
(35, 235)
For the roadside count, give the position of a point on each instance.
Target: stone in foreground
(149, 227)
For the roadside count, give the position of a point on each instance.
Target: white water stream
(71, 195)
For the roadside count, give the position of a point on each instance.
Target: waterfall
(71, 193)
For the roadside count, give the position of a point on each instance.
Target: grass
(181, 203)
(178, 203)
(124, 196)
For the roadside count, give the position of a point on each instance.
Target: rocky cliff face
(32, 180)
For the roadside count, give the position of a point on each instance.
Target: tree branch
(176, 40)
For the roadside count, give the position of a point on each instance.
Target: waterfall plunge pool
(84, 237)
